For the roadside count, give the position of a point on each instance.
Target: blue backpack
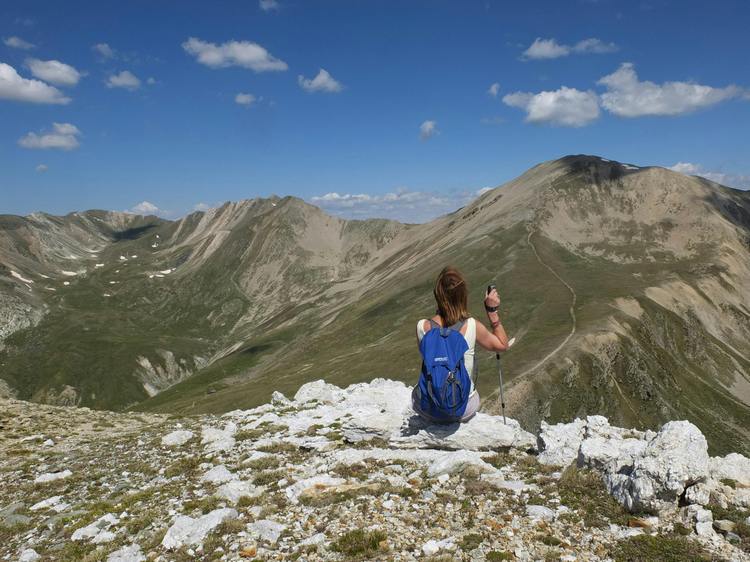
(444, 383)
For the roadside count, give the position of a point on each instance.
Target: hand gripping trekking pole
(490, 288)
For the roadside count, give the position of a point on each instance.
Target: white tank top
(470, 336)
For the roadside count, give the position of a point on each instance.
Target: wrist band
(490, 308)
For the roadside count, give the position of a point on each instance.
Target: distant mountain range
(627, 288)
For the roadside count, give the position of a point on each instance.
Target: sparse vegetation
(360, 542)
(186, 466)
(269, 478)
(584, 491)
(470, 542)
(664, 548)
(499, 556)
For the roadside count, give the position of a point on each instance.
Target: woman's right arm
(495, 340)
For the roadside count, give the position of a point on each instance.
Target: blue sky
(364, 107)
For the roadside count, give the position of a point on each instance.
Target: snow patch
(20, 277)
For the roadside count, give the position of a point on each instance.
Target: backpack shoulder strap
(444, 331)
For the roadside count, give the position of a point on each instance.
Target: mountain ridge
(263, 294)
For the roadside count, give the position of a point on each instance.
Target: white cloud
(15, 87)
(54, 71)
(428, 129)
(203, 207)
(104, 50)
(41, 168)
(626, 96)
(732, 180)
(63, 136)
(551, 49)
(493, 90)
(566, 107)
(323, 82)
(233, 53)
(124, 79)
(545, 49)
(594, 46)
(268, 5)
(403, 205)
(151, 81)
(244, 99)
(18, 43)
(145, 208)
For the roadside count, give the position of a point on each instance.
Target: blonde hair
(451, 296)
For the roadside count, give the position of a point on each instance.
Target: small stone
(186, 531)
(52, 476)
(218, 475)
(249, 551)
(724, 526)
(97, 531)
(29, 555)
(540, 512)
(266, 530)
(432, 547)
(130, 553)
(176, 438)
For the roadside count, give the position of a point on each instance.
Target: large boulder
(676, 458)
(481, 433)
(381, 409)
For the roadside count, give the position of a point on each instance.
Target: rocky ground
(351, 474)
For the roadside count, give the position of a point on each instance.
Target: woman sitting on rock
(446, 393)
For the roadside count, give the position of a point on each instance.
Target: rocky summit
(343, 474)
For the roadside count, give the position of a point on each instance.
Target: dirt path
(571, 311)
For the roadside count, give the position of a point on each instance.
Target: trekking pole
(500, 375)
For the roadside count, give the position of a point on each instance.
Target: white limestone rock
(481, 433)
(52, 476)
(432, 547)
(318, 390)
(609, 454)
(540, 512)
(317, 539)
(98, 531)
(700, 494)
(234, 490)
(733, 466)
(266, 530)
(319, 481)
(54, 503)
(186, 531)
(675, 458)
(130, 553)
(215, 439)
(456, 462)
(29, 555)
(279, 400)
(177, 438)
(218, 475)
(559, 443)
